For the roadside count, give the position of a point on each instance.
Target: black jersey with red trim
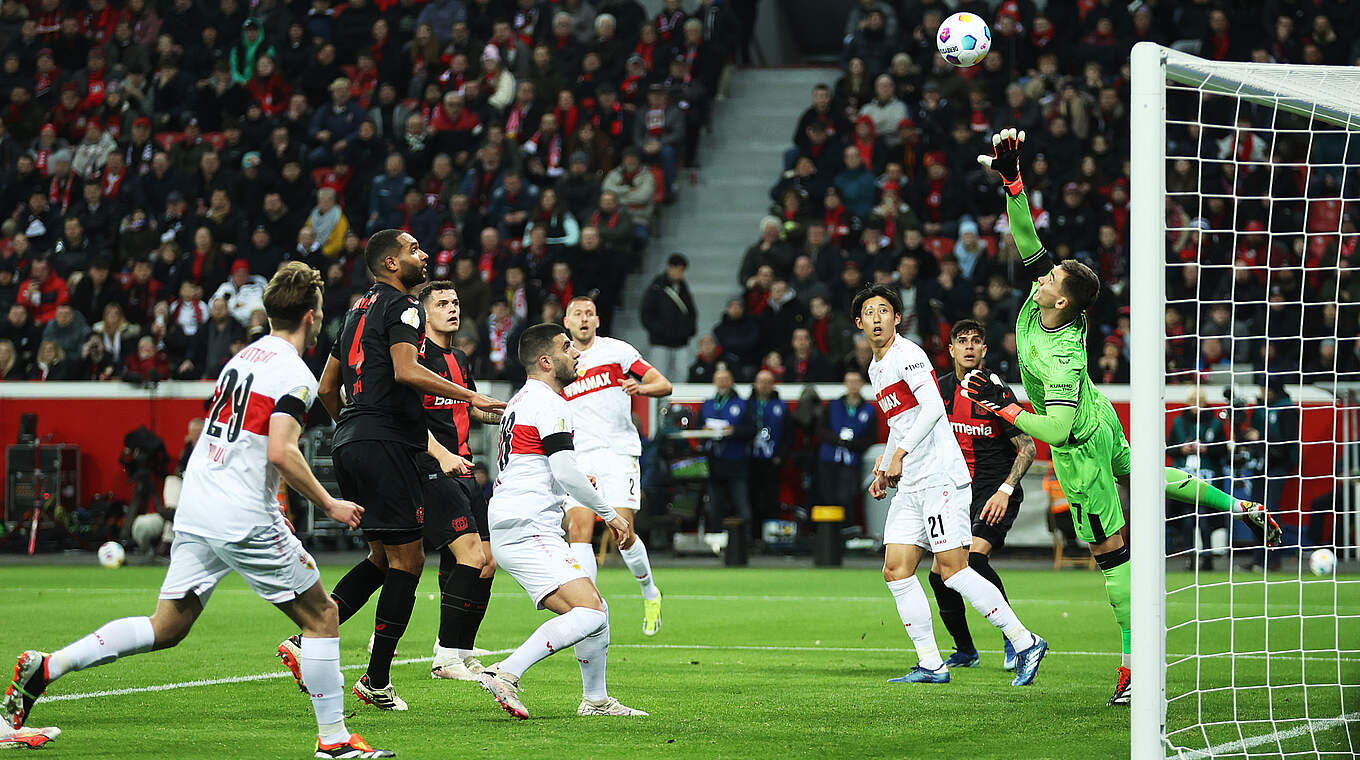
(984, 437)
(448, 419)
(377, 407)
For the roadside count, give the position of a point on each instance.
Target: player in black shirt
(379, 434)
(998, 454)
(455, 517)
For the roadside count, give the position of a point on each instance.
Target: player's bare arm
(285, 455)
(408, 371)
(995, 508)
(653, 384)
(329, 388)
(449, 462)
(485, 416)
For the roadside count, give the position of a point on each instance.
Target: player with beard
(998, 455)
(538, 468)
(611, 373)
(379, 435)
(455, 517)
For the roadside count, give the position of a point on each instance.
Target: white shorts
(616, 477)
(934, 516)
(271, 560)
(541, 564)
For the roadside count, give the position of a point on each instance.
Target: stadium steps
(712, 222)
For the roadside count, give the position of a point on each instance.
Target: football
(1322, 562)
(111, 554)
(964, 39)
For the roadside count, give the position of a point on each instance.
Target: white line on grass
(1237, 747)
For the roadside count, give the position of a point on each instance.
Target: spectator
(738, 332)
(327, 221)
(243, 292)
(147, 364)
(42, 292)
(846, 430)
(635, 188)
(855, 183)
(885, 111)
(473, 294)
(23, 335)
(50, 363)
(766, 415)
(833, 334)
(212, 346)
(804, 364)
(707, 360)
(669, 317)
(333, 126)
(9, 360)
(769, 250)
(1198, 444)
(116, 334)
(68, 330)
(728, 455)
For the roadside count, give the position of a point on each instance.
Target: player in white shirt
(608, 374)
(538, 469)
(229, 520)
(930, 511)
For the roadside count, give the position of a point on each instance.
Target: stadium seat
(938, 246)
(168, 140)
(216, 139)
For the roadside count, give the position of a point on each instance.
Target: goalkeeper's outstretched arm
(1005, 161)
(1053, 427)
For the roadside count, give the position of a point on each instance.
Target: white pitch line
(1233, 748)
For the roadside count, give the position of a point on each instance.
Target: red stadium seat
(168, 140)
(215, 139)
(938, 246)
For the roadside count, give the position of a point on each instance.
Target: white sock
(914, 610)
(591, 653)
(1127, 660)
(116, 638)
(585, 557)
(326, 686)
(988, 601)
(635, 557)
(552, 637)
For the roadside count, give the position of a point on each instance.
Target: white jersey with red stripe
(527, 499)
(903, 373)
(599, 403)
(230, 488)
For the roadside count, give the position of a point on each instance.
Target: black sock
(979, 562)
(455, 606)
(395, 603)
(446, 563)
(950, 603)
(354, 590)
(481, 596)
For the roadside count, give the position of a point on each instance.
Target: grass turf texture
(749, 663)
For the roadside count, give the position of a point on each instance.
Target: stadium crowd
(160, 160)
(881, 186)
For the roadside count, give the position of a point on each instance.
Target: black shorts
(477, 498)
(383, 478)
(995, 534)
(448, 513)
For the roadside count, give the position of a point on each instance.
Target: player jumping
(930, 509)
(611, 372)
(538, 468)
(998, 455)
(1090, 451)
(228, 520)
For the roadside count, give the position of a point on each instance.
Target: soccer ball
(111, 554)
(1322, 562)
(964, 39)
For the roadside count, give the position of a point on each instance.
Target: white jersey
(527, 499)
(898, 379)
(599, 404)
(230, 488)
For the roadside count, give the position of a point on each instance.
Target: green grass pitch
(749, 663)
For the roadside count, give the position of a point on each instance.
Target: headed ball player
(228, 520)
(455, 509)
(998, 455)
(1070, 414)
(931, 507)
(538, 470)
(609, 373)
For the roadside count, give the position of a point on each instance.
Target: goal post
(1246, 166)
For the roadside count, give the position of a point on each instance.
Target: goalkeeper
(1090, 452)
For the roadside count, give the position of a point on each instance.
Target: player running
(229, 520)
(930, 509)
(1090, 451)
(380, 437)
(455, 507)
(998, 455)
(537, 469)
(610, 373)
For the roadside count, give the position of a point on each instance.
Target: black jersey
(377, 407)
(447, 418)
(984, 437)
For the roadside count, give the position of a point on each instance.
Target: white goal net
(1245, 200)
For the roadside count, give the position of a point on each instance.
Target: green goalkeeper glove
(1005, 159)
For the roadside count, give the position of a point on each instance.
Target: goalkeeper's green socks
(1115, 567)
(1184, 487)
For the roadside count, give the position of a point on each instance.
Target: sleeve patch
(411, 316)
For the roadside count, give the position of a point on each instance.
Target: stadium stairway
(713, 221)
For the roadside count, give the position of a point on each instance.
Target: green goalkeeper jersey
(1052, 361)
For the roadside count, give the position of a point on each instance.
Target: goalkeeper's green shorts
(1087, 471)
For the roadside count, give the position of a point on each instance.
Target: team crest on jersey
(411, 317)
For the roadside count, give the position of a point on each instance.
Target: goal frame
(1153, 67)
